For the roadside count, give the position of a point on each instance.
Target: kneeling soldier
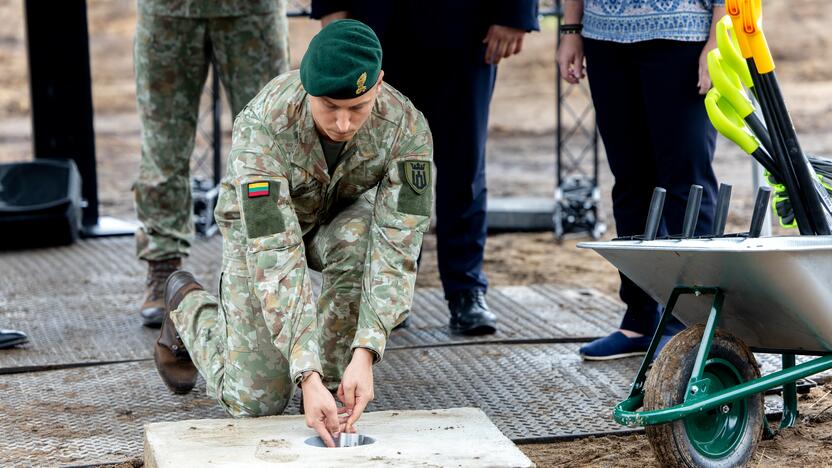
(330, 170)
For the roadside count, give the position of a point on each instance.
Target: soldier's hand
(356, 389)
(320, 409)
(503, 42)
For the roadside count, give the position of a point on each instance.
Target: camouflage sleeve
(275, 253)
(401, 216)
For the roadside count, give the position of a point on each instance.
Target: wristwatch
(570, 29)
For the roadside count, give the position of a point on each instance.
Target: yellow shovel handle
(728, 84)
(726, 121)
(726, 41)
(751, 12)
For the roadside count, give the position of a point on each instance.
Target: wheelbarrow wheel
(721, 437)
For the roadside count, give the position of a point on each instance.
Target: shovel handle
(733, 9)
(728, 83)
(726, 42)
(728, 123)
(751, 14)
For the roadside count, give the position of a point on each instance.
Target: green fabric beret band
(343, 61)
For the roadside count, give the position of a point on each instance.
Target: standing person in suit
(443, 55)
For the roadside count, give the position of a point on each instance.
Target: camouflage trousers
(229, 338)
(171, 60)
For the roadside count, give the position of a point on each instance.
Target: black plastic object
(654, 216)
(692, 211)
(758, 216)
(61, 90)
(723, 200)
(40, 203)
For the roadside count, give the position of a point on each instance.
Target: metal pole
(216, 110)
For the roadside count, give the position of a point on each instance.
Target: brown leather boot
(153, 307)
(172, 359)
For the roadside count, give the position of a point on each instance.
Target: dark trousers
(452, 88)
(656, 134)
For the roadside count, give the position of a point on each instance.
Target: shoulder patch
(417, 174)
(257, 189)
(261, 212)
(416, 194)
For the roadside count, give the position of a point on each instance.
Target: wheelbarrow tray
(778, 290)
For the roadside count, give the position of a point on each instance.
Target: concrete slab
(450, 437)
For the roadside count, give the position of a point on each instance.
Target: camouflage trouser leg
(340, 248)
(171, 58)
(249, 51)
(232, 348)
(171, 65)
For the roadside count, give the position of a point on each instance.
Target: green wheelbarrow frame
(698, 398)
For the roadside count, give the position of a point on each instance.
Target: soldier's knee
(255, 390)
(348, 256)
(242, 406)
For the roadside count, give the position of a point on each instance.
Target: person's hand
(336, 15)
(571, 58)
(356, 389)
(320, 410)
(503, 42)
(704, 83)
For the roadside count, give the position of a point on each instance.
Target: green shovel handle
(728, 123)
(726, 41)
(728, 84)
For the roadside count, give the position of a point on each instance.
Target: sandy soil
(807, 444)
(520, 162)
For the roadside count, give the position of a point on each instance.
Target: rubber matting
(96, 414)
(78, 305)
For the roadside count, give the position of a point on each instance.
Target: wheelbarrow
(701, 402)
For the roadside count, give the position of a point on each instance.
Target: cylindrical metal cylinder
(692, 211)
(758, 216)
(723, 200)
(654, 216)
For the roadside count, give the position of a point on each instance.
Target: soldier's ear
(380, 76)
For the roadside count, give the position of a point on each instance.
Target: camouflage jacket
(275, 144)
(208, 8)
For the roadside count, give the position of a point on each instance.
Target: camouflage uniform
(175, 42)
(362, 228)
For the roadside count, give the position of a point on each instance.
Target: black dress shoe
(470, 314)
(9, 338)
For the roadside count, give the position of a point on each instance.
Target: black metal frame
(577, 193)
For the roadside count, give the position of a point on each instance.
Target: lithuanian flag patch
(258, 189)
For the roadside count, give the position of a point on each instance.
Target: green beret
(343, 60)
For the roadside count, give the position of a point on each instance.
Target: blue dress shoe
(615, 346)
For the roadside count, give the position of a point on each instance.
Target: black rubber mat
(96, 414)
(78, 305)
(525, 313)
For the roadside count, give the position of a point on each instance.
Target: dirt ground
(807, 444)
(520, 162)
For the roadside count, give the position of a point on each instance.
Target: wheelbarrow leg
(790, 411)
(716, 307)
(638, 384)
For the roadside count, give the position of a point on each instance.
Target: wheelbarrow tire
(713, 438)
